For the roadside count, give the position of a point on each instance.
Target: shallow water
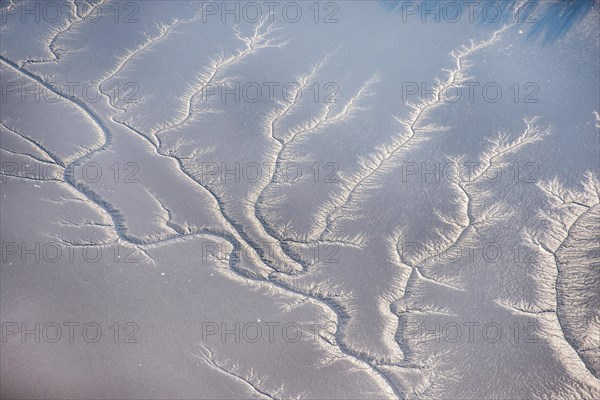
(335, 200)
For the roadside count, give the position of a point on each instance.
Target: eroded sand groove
(232, 238)
(413, 130)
